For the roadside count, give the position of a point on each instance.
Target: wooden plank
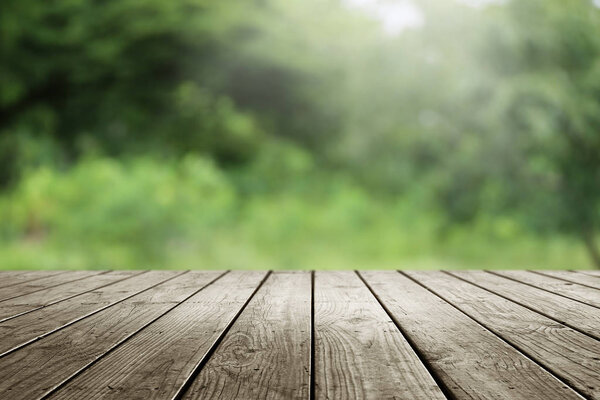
(579, 316)
(35, 370)
(266, 354)
(29, 327)
(43, 298)
(569, 354)
(591, 272)
(573, 276)
(359, 352)
(470, 361)
(14, 273)
(44, 283)
(11, 278)
(567, 289)
(157, 362)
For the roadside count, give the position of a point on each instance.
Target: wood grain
(11, 278)
(359, 352)
(43, 298)
(266, 354)
(570, 290)
(572, 313)
(569, 354)
(26, 328)
(472, 362)
(37, 369)
(156, 362)
(248, 335)
(44, 283)
(573, 276)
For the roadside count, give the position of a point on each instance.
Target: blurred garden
(281, 134)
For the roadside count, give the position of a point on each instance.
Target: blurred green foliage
(299, 134)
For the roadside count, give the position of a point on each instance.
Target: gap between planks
(564, 352)
(552, 284)
(44, 322)
(192, 377)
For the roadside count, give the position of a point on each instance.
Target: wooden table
(299, 335)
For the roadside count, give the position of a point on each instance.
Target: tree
(160, 77)
(538, 136)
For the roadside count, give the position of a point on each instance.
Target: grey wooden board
(162, 335)
(567, 289)
(46, 297)
(472, 362)
(569, 354)
(28, 327)
(11, 278)
(572, 313)
(575, 277)
(589, 272)
(37, 369)
(359, 351)
(266, 354)
(43, 283)
(158, 361)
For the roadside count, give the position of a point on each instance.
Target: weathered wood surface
(460, 351)
(266, 354)
(590, 273)
(32, 286)
(24, 329)
(587, 295)
(11, 278)
(41, 367)
(569, 354)
(158, 361)
(568, 312)
(43, 298)
(299, 335)
(359, 352)
(575, 277)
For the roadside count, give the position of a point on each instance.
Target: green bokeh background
(299, 134)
